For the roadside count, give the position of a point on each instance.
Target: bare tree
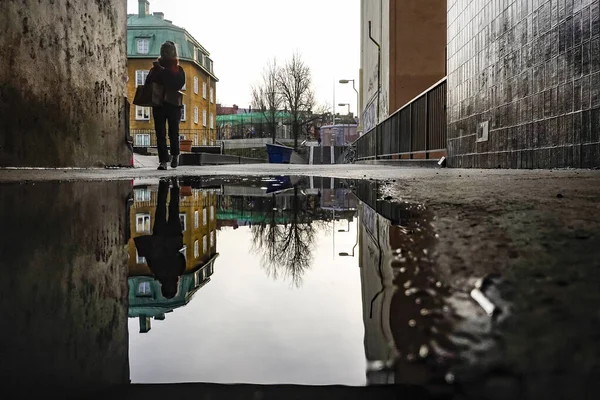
(294, 80)
(266, 97)
(287, 248)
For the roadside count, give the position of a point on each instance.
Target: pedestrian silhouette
(162, 248)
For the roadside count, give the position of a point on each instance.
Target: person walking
(170, 77)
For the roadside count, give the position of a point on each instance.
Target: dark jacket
(162, 254)
(172, 82)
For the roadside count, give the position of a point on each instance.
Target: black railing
(414, 131)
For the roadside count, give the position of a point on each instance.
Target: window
(196, 250)
(140, 77)
(204, 118)
(204, 90)
(212, 122)
(204, 245)
(196, 219)
(196, 115)
(139, 259)
(183, 112)
(212, 238)
(196, 140)
(142, 139)
(143, 46)
(212, 95)
(142, 113)
(142, 223)
(178, 50)
(144, 289)
(141, 194)
(211, 67)
(204, 216)
(196, 84)
(196, 54)
(182, 221)
(212, 213)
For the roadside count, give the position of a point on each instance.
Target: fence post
(427, 125)
(410, 130)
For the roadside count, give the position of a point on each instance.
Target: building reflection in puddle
(192, 216)
(63, 292)
(402, 297)
(286, 217)
(283, 213)
(275, 308)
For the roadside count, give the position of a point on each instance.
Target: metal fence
(199, 137)
(417, 130)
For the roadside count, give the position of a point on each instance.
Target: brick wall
(528, 72)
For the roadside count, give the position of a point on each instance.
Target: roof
(158, 30)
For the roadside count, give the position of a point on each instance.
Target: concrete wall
(62, 86)
(64, 285)
(378, 13)
(528, 74)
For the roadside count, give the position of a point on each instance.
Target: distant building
(338, 135)
(251, 124)
(412, 36)
(145, 34)
(223, 110)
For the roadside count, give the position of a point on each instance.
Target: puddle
(272, 280)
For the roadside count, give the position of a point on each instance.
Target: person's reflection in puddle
(162, 248)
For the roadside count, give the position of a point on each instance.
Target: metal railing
(199, 137)
(414, 131)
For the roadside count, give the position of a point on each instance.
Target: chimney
(143, 8)
(159, 15)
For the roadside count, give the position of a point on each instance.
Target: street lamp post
(345, 81)
(345, 104)
(345, 254)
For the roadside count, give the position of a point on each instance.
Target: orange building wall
(190, 100)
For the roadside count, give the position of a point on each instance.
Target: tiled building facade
(523, 83)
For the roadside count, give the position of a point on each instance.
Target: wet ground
(485, 290)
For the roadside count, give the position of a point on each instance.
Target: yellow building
(198, 215)
(145, 34)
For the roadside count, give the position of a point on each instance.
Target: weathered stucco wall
(63, 292)
(62, 85)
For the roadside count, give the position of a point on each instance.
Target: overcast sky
(242, 35)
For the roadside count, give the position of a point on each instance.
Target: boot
(175, 161)
(162, 166)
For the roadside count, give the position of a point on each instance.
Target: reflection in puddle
(253, 280)
(417, 330)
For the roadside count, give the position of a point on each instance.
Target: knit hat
(168, 51)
